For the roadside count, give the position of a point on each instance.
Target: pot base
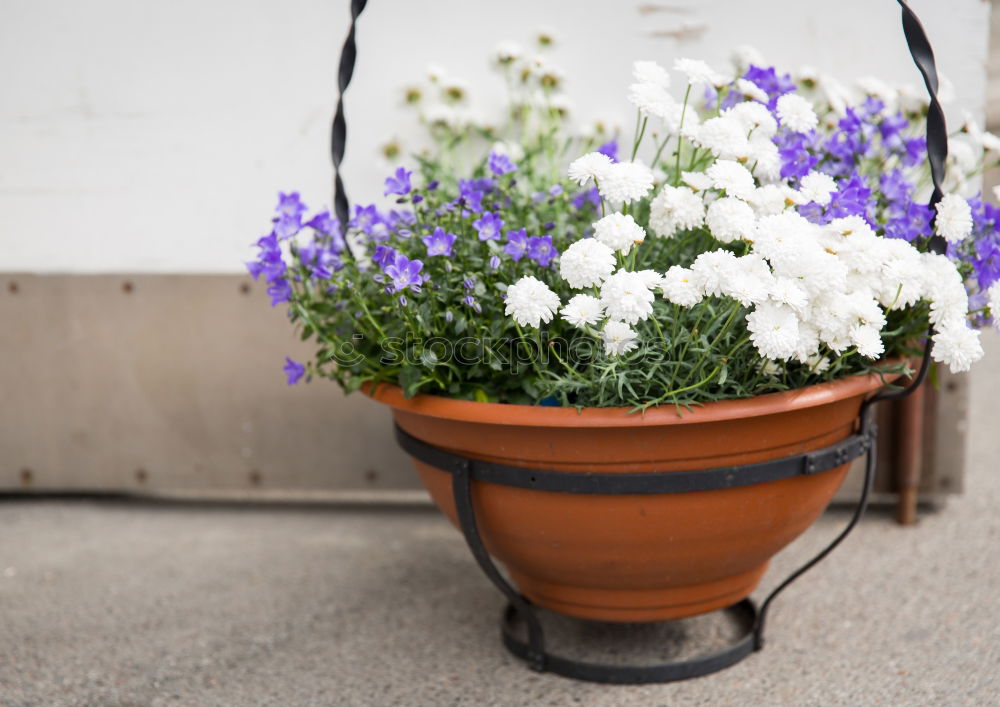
(638, 605)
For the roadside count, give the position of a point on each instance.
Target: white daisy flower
(651, 72)
(796, 113)
(817, 363)
(774, 330)
(651, 279)
(745, 56)
(698, 72)
(724, 136)
(817, 187)
(582, 311)
(769, 199)
(750, 281)
(699, 181)
(732, 177)
(586, 263)
(958, 347)
(624, 182)
(675, 209)
(653, 100)
(868, 341)
(619, 232)
(591, 166)
(626, 298)
(730, 219)
(751, 91)
(786, 291)
(507, 53)
(765, 158)
(619, 338)
(681, 286)
(993, 302)
(954, 218)
(713, 268)
(530, 302)
(781, 235)
(755, 117)
(944, 287)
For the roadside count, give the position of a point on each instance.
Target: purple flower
(468, 283)
(555, 190)
(405, 273)
(471, 193)
(590, 196)
(470, 301)
(329, 226)
(541, 250)
(517, 244)
(321, 261)
(384, 255)
(294, 371)
(852, 198)
(910, 222)
(500, 164)
(439, 243)
(402, 301)
(365, 218)
(609, 149)
(280, 291)
(488, 226)
(796, 159)
(290, 205)
(895, 188)
(494, 262)
(916, 148)
(399, 183)
(287, 225)
(770, 83)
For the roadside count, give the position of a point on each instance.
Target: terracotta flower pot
(638, 557)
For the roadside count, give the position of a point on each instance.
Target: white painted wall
(152, 136)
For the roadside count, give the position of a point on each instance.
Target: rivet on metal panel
(127, 287)
(255, 477)
(141, 475)
(12, 287)
(26, 477)
(245, 288)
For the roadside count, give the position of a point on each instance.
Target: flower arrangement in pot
(724, 287)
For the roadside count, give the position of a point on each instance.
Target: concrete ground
(125, 603)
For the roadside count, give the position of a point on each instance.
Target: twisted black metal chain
(338, 135)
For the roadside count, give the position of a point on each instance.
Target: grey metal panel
(172, 382)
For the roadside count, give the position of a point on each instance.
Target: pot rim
(441, 407)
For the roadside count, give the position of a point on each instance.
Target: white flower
(769, 199)
(530, 302)
(507, 53)
(817, 187)
(724, 136)
(618, 338)
(592, 166)
(698, 72)
(625, 181)
(713, 268)
(751, 91)
(796, 113)
(699, 181)
(586, 263)
(774, 330)
(681, 286)
(626, 298)
(732, 177)
(954, 218)
(650, 278)
(650, 72)
(878, 88)
(619, 232)
(958, 347)
(763, 154)
(755, 117)
(944, 287)
(781, 235)
(744, 55)
(583, 310)
(868, 340)
(730, 219)
(653, 100)
(786, 291)
(993, 302)
(675, 209)
(750, 281)
(510, 149)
